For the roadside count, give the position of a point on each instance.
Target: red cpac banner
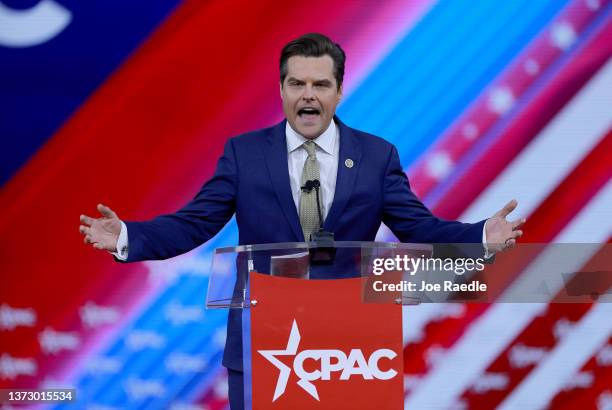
(316, 345)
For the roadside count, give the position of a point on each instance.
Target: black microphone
(311, 184)
(324, 252)
(308, 187)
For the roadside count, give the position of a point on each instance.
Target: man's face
(310, 94)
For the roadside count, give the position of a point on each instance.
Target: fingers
(106, 211)
(86, 226)
(89, 241)
(509, 207)
(86, 230)
(86, 220)
(103, 209)
(518, 223)
(511, 241)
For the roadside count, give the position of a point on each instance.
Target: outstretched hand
(502, 234)
(101, 233)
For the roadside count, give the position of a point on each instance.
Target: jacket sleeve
(170, 235)
(411, 221)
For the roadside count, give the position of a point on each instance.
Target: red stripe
(541, 50)
(542, 226)
(525, 126)
(570, 399)
(589, 397)
(539, 333)
(571, 195)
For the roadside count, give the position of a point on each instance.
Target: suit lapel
(349, 161)
(278, 167)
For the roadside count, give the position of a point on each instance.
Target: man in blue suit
(262, 175)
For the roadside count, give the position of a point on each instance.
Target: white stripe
(36, 25)
(564, 361)
(535, 173)
(543, 164)
(591, 226)
(494, 331)
(415, 318)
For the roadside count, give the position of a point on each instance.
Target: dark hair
(314, 45)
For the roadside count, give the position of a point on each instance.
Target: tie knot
(310, 148)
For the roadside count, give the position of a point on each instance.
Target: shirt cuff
(484, 241)
(122, 244)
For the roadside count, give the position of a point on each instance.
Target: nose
(308, 92)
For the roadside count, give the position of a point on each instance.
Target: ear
(280, 89)
(339, 93)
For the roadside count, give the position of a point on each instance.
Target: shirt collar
(325, 141)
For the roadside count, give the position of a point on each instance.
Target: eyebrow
(320, 82)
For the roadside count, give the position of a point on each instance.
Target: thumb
(106, 211)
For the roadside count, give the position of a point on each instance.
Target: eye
(322, 85)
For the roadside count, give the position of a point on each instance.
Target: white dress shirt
(328, 153)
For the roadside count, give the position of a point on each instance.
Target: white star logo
(284, 370)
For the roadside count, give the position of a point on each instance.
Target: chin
(309, 132)
(311, 135)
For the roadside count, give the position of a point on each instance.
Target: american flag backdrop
(130, 103)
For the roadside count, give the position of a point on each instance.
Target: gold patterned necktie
(309, 214)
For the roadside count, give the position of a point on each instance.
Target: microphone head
(310, 184)
(307, 186)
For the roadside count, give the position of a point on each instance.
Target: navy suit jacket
(252, 181)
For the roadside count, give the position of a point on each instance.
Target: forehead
(311, 68)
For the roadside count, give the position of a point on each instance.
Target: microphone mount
(324, 252)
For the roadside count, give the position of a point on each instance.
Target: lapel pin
(349, 163)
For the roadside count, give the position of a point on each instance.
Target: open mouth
(308, 112)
